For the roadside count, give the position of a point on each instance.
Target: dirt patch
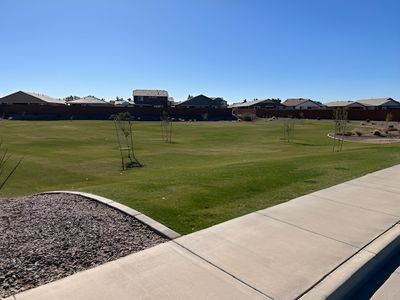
(46, 237)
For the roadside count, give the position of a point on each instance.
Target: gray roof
(121, 103)
(158, 93)
(292, 102)
(342, 103)
(376, 101)
(89, 100)
(204, 101)
(249, 103)
(45, 98)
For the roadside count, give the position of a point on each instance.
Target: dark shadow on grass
(303, 144)
(341, 168)
(310, 181)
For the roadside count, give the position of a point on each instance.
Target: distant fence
(353, 114)
(48, 112)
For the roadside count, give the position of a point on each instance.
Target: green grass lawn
(212, 172)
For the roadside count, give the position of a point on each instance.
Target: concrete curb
(352, 274)
(153, 224)
(332, 136)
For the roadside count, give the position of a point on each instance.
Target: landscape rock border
(365, 140)
(153, 224)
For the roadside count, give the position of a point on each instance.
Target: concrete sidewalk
(282, 252)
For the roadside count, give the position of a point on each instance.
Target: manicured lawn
(214, 171)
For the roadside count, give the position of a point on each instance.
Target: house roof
(121, 102)
(89, 100)
(158, 93)
(342, 103)
(45, 98)
(299, 101)
(375, 102)
(203, 100)
(217, 98)
(254, 102)
(295, 101)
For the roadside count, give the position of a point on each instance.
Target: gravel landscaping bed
(47, 237)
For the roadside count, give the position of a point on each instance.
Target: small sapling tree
(388, 119)
(166, 128)
(124, 133)
(6, 171)
(340, 116)
(288, 129)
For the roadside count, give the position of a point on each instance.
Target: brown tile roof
(295, 101)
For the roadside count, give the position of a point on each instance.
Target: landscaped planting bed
(47, 237)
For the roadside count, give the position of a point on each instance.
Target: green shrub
(377, 133)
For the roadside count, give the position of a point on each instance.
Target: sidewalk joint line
(310, 231)
(381, 187)
(224, 271)
(343, 262)
(352, 205)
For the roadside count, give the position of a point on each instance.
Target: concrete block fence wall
(48, 112)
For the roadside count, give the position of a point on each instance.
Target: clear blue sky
(323, 50)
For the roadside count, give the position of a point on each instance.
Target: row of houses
(307, 104)
(161, 99)
(141, 98)
(41, 99)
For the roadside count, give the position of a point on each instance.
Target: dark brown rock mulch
(47, 237)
